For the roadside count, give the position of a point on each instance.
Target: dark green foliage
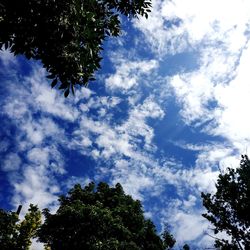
(17, 235)
(66, 35)
(8, 221)
(186, 247)
(229, 208)
(99, 218)
(169, 239)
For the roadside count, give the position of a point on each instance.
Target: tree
(99, 217)
(228, 209)
(17, 235)
(66, 35)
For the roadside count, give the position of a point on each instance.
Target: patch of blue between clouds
(179, 63)
(8, 134)
(171, 129)
(78, 164)
(175, 22)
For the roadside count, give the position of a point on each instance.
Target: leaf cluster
(228, 209)
(65, 35)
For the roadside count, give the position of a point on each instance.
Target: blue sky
(168, 110)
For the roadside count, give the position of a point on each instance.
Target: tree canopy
(15, 234)
(100, 217)
(66, 35)
(229, 208)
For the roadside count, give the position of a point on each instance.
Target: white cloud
(190, 202)
(161, 40)
(201, 179)
(191, 225)
(102, 104)
(11, 162)
(133, 178)
(73, 180)
(37, 131)
(233, 99)
(186, 223)
(36, 187)
(8, 59)
(15, 108)
(129, 73)
(193, 94)
(35, 128)
(35, 182)
(175, 26)
(39, 156)
(36, 245)
(121, 139)
(48, 100)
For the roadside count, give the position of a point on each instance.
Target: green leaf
(63, 86)
(6, 45)
(54, 82)
(66, 93)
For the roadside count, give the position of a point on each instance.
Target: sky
(167, 113)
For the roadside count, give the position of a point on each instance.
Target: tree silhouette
(100, 217)
(65, 35)
(229, 208)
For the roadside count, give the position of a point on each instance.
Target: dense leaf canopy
(100, 218)
(229, 208)
(15, 234)
(66, 35)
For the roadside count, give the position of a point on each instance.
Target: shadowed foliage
(100, 217)
(229, 208)
(66, 35)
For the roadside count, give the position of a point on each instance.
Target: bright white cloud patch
(178, 25)
(128, 74)
(35, 188)
(217, 92)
